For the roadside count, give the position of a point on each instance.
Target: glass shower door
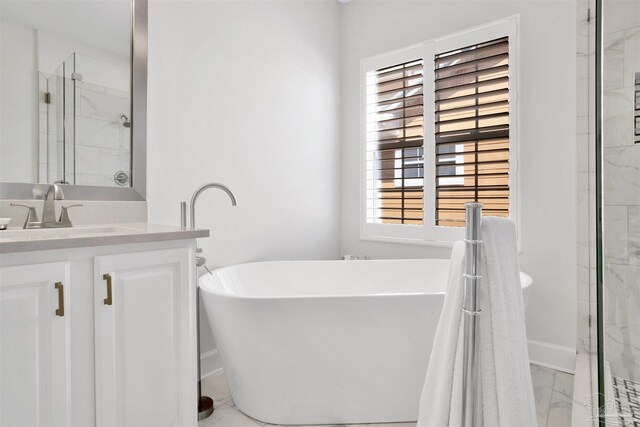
(89, 123)
(61, 124)
(102, 122)
(618, 149)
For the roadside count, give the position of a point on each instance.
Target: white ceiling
(101, 24)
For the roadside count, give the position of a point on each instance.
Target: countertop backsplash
(92, 211)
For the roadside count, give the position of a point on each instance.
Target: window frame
(428, 233)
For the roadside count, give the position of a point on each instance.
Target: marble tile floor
(553, 392)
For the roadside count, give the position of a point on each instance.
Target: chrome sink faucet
(48, 211)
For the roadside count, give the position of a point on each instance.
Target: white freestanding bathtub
(327, 342)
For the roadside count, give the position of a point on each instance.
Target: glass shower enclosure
(618, 210)
(85, 123)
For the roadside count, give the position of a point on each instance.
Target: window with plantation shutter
(395, 137)
(439, 129)
(472, 130)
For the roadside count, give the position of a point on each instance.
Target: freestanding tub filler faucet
(196, 194)
(205, 403)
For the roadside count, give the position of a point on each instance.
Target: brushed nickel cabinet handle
(108, 300)
(60, 309)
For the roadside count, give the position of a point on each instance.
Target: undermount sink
(61, 233)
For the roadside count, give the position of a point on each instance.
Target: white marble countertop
(19, 240)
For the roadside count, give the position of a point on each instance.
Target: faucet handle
(32, 215)
(64, 215)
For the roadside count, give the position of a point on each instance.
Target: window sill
(411, 242)
(420, 242)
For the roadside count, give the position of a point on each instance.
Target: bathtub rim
(208, 286)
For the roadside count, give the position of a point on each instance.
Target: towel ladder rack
(471, 313)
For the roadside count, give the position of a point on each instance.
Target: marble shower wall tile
(583, 332)
(615, 234)
(621, 189)
(94, 179)
(621, 181)
(622, 294)
(631, 54)
(103, 106)
(618, 111)
(634, 235)
(583, 272)
(613, 66)
(583, 234)
(625, 15)
(98, 133)
(592, 156)
(87, 159)
(112, 161)
(100, 130)
(583, 152)
(593, 331)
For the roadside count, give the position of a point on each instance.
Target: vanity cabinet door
(145, 339)
(34, 345)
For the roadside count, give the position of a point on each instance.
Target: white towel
(507, 392)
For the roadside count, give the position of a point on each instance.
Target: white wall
(247, 94)
(18, 103)
(547, 147)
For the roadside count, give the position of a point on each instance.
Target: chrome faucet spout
(205, 403)
(194, 198)
(49, 210)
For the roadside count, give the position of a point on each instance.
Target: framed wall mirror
(74, 93)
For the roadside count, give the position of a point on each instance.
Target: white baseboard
(209, 374)
(210, 363)
(552, 356)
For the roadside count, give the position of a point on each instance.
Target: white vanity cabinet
(142, 337)
(123, 351)
(34, 345)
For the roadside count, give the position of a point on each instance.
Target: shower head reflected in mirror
(125, 120)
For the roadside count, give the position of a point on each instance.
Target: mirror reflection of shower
(86, 132)
(125, 120)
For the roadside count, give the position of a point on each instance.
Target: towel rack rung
(473, 242)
